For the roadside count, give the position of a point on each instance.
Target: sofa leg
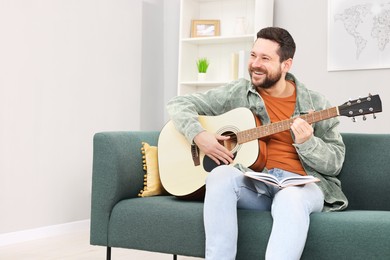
(174, 257)
(108, 255)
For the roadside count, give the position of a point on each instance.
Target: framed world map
(358, 34)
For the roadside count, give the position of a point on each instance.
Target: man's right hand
(209, 144)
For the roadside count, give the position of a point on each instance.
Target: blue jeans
(228, 189)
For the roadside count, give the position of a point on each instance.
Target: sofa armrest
(117, 174)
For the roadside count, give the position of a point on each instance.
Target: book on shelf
(284, 182)
(243, 58)
(234, 66)
(239, 65)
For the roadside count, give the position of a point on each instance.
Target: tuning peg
(353, 119)
(364, 118)
(374, 116)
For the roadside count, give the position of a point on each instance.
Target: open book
(283, 183)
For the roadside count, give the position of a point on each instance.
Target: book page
(285, 182)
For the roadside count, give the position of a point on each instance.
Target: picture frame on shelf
(205, 28)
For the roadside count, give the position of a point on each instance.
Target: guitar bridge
(195, 154)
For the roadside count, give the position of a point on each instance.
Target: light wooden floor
(74, 246)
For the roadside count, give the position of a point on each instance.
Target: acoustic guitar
(184, 168)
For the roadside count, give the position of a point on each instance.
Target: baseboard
(43, 232)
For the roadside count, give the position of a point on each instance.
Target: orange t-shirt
(280, 151)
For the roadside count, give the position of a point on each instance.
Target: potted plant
(202, 64)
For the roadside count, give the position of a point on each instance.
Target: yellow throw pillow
(152, 183)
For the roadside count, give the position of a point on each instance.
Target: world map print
(359, 34)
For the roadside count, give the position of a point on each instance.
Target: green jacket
(322, 156)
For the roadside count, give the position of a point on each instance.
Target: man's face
(264, 66)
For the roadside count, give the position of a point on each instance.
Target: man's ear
(286, 65)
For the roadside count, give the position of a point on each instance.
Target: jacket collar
(304, 102)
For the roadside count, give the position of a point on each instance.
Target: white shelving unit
(217, 49)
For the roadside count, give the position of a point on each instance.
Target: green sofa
(168, 225)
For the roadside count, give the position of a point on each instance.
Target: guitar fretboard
(267, 130)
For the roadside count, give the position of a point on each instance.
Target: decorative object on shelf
(239, 65)
(203, 65)
(205, 28)
(201, 76)
(240, 27)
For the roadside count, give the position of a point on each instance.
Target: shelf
(219, 39)
(206, 84)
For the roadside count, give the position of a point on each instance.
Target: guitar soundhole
(230, 144)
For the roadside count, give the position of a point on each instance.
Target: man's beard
(269, 81)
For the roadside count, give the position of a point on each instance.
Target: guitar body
(178, 172)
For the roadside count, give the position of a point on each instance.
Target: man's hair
(283, 38)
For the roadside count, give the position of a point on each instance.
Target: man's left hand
(302, 130)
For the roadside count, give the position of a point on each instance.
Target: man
(273, 94)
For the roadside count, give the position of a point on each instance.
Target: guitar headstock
(361, 106)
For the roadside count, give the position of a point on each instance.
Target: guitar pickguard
(209, 164)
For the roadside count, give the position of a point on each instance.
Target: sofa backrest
(365, 177)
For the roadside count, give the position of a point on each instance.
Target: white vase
(240, 27)
(201, 76)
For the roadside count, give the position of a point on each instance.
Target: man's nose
(257, 62)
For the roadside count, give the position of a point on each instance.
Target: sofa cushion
(365, 177)
(152, 182)
(169, 225)
(160, 223)
(349, 235)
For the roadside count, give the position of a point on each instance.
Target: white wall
(171, 52)
(307, 22)
(152, 64)
(68, 69)
(160, 43)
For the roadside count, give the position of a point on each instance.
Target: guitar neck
(267, 130)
